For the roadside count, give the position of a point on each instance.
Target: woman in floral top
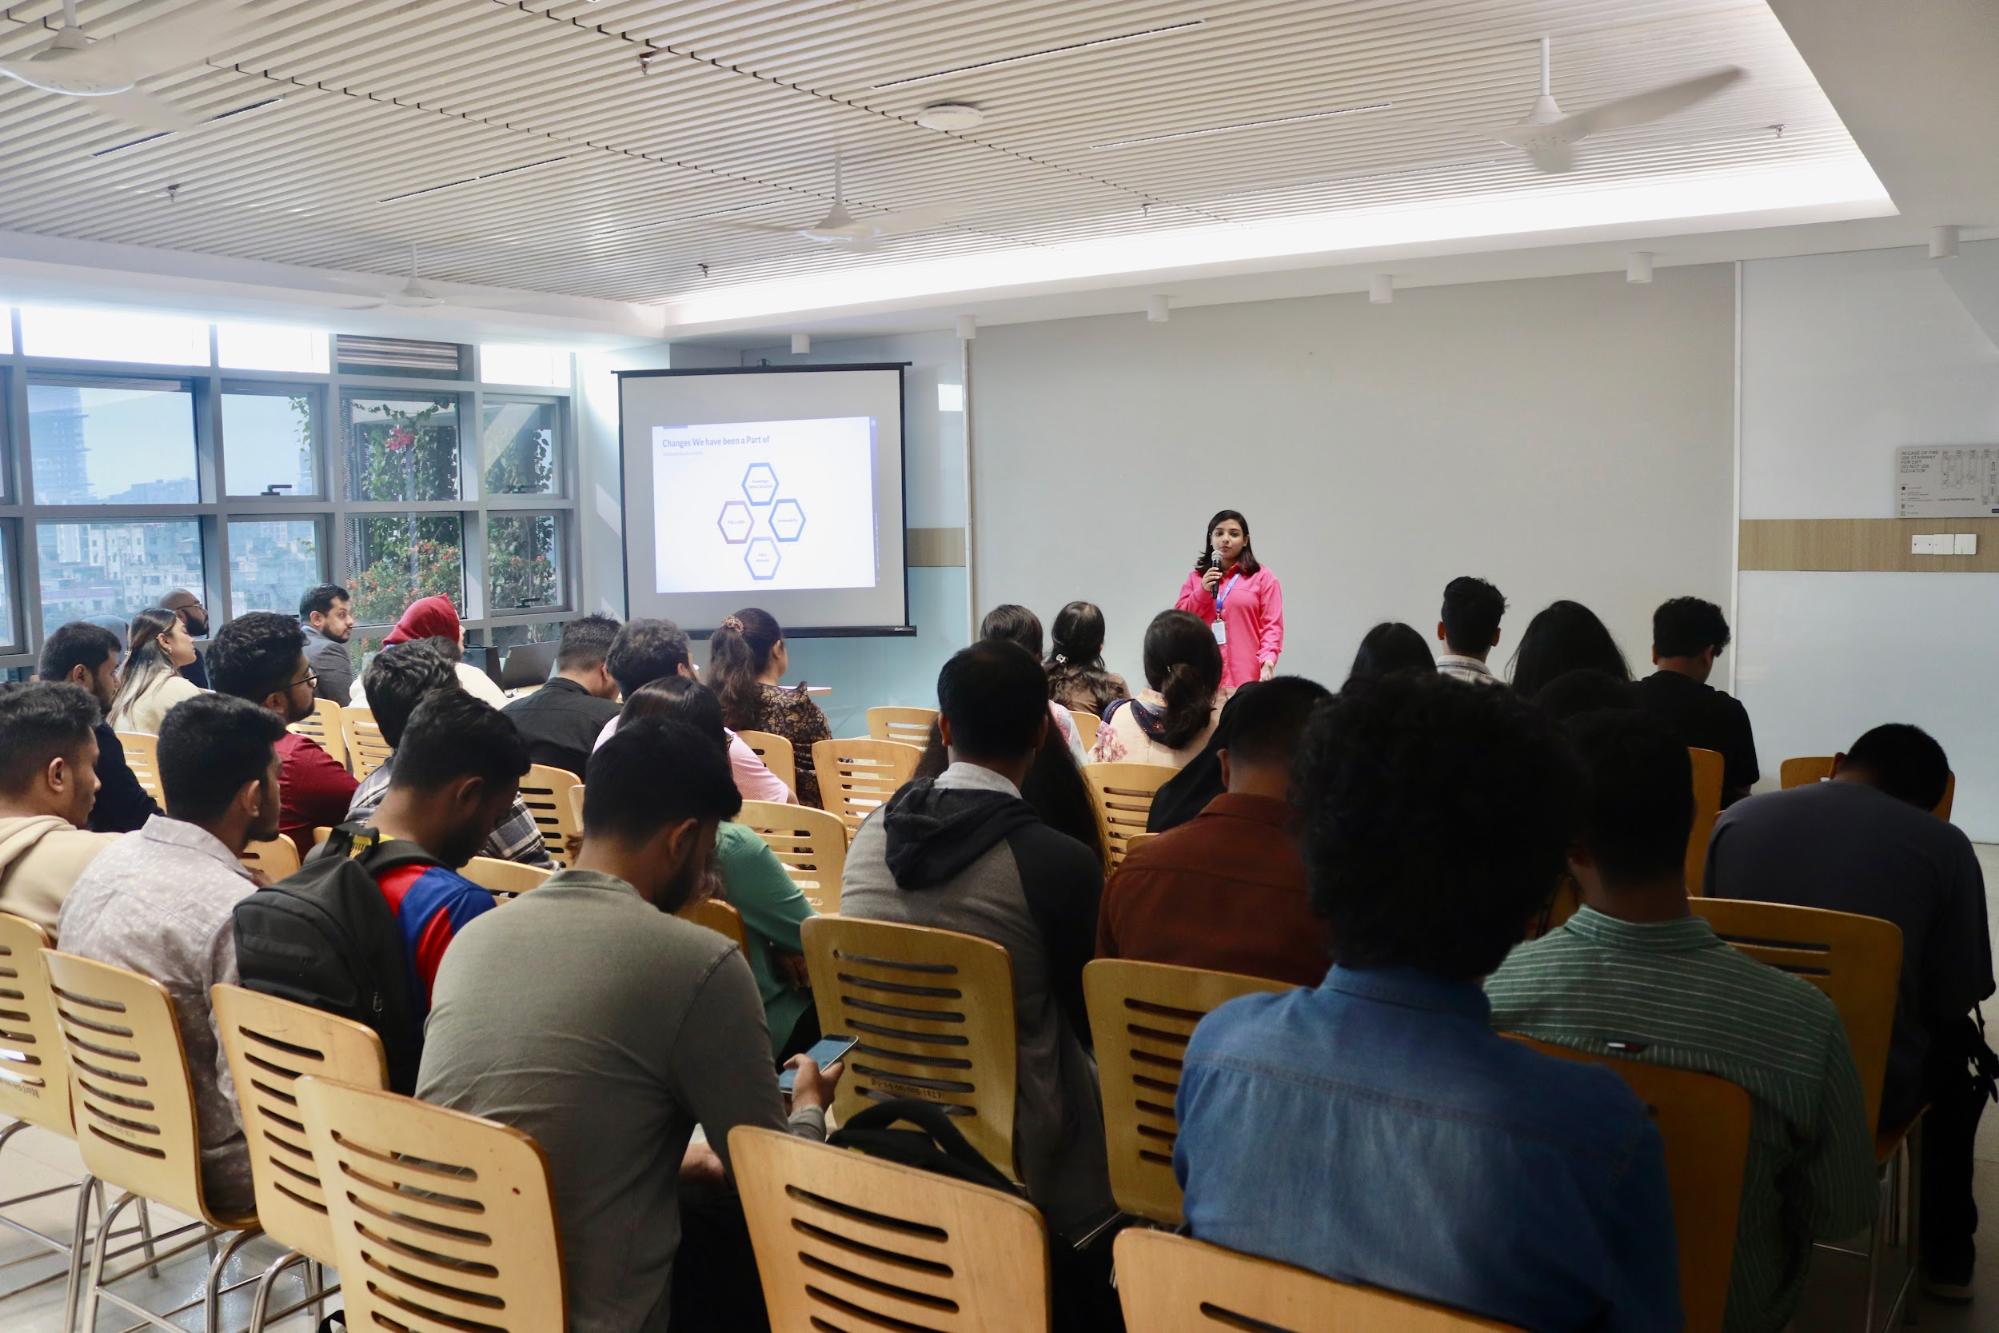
(746, 660)
(1076, 676)
(1171, 721)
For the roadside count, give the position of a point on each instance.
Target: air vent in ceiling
(474, 180)
(399, 356)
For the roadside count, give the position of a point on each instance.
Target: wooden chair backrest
(1141, 1015)
(496, 876)
(366, 750)
(844, 1240)
(441, 1221)
(34, 1077)
(271, 1044)
(855, 776)
(133, 1103)
(1122, 795)
(277, 858)
(811, 843)
(719, 917)
(1703, 1122)
(1709, 772)
(1803, 770)
(142, 757)
(324, 724)
(1087, 726)
(1855, 960)
(576, 804)
(1176, 1282)
(911, 726)
(777, 753)
(545, 793)
(934, 1013)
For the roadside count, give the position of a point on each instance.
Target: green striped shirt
(1687, 1000)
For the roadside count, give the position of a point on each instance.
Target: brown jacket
(40, 858)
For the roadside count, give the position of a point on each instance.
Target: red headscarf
(426, 618)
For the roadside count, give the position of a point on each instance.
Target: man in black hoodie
(964, 852)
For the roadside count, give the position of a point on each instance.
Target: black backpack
(325, 937)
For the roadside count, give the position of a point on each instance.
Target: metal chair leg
(79, 1244)
(88, 1319)
(211, 1315)
(146, 1239)
(260, 1300)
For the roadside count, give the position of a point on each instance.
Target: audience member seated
(1226, 892)
(649, 650)
(560, 721)
(747, 663)
(152, 682)
(1389, 647)
(1866, 842)
(86, 656)
(1564, 637)
(327, 616)
(1187, 793)
(48, 779)
(1585, 691)
(1469, 628)
(1634, 973)
(633, 1027)
(1173, 716)
(1687, 635)
(964, 852)
(1054, 787)
(398, 680)
(158, 902)
(1375, 1129)
(1016, 624)
(436, 618)
(752, 879)
(187, 609)
(1076, 676)
(261, 657)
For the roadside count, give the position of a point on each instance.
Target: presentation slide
(755, 505)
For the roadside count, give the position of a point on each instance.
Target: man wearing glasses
(187, 608)
(261, 657)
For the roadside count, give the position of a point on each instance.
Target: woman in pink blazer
(1239, 599)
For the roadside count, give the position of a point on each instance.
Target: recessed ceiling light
(1245, 125)
(951, 117)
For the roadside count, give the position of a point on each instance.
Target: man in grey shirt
(630, 1027)
(327, 618)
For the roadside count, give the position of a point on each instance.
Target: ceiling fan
(104, 71)
(1549, 135)
(416, 294)
(841, 228)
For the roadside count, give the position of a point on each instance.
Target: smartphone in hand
(826, 1051)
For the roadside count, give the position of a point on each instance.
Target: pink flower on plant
(400, 438)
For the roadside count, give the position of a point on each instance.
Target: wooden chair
(1087, 725)
(719, 917)
(276, 858)
(496, 876)
(1136, 841)
(776, 752)
(441, 1220)
(320, 833)
(1709, 771)
(1141, 1015)
(848, 1241)
(911, 726)
(811, 843)
(576, 804)
(855, 776)
(324, 725)
(1804, 770)
(1122, 795)
(271, 1044)
(545, 792)
(934, 1013)
(1703, 1122)
(1182, 1284)
(142, 757)
(366, 750)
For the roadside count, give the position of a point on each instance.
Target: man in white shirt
(1469, 629)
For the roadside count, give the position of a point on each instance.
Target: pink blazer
(1254, 614)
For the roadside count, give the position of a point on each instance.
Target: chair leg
(260, 1301)
(211, 1311)
(146, 1238)
(1874, 1239)
(79, 1244)
(88, 1319)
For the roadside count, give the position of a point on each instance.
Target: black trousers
(1957, 1098)
(715, 1284)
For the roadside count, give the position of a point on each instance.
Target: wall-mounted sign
(1947, 481)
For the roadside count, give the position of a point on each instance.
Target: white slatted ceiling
(748, 98)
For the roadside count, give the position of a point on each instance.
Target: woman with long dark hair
(1238, 599)
(160, 647)
(1076, 676)
(1388, 647)
(747, 659)
(1565, 636)
(1171, 720)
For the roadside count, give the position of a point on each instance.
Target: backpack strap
(929, 1118)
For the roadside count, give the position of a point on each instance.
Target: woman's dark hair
(1054, 787)
(1247, 562)
(1183, 662)
(1563, 637)
(1391, 646)
(1015, 624)
(738, 653)
(1078, 638)
(677, 699)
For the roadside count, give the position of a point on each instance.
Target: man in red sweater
(261, 657)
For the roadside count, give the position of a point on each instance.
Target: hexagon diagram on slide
(760, 483)
(787, 519)
(735, 522)
(761, 559)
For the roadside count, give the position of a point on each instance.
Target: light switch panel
(1966, 544)
(1919, 543)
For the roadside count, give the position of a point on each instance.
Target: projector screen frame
(901, 369)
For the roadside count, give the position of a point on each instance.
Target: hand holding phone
(826, 1052)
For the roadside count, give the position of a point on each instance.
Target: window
(112, 442)
(114, 335)
(523, 562)
(267, 437)
(509, 363)
(515, 633)
(10, 628)
(400, 357)
(105, 570)
(517, 446)
(270, 347)
(401, 448)
(393, 559)
(271, 564)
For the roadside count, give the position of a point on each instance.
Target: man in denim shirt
(1375, 1129)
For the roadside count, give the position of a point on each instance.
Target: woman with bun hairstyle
(1076, 676)
(1238, 599)
(1170, 721)
(747, 658)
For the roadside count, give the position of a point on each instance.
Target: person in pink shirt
(1239, 599)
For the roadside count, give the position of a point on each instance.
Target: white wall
(1567, 437)
(1845, 358)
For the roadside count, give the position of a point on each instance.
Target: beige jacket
(40, 858)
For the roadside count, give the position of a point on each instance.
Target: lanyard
(1222, 599)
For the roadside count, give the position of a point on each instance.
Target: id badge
(1221, 634)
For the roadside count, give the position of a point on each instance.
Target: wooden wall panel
(1854, 544)
(936, 548)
